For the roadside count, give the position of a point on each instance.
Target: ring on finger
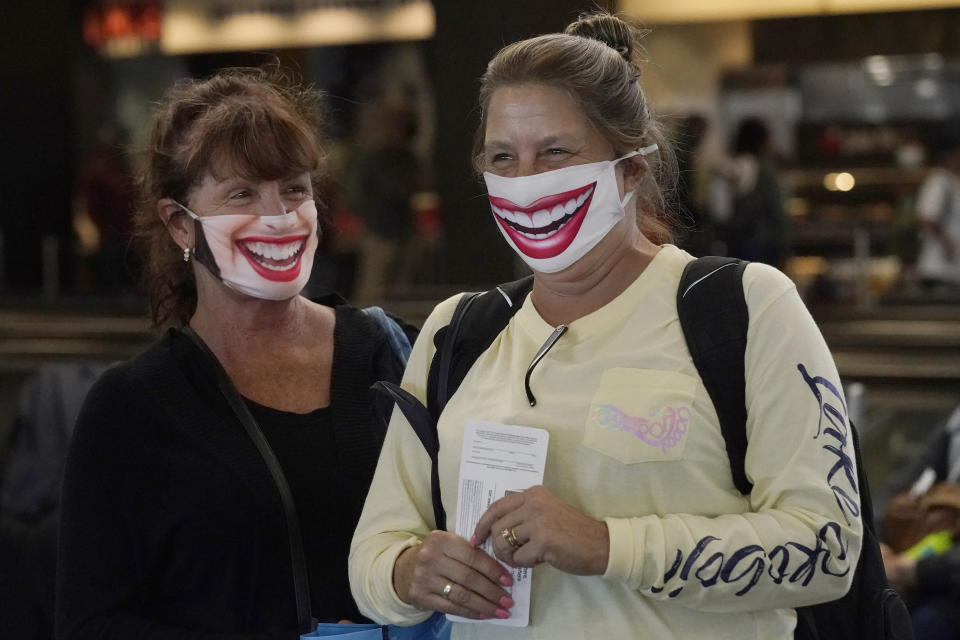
(447, 588)
(510, 536)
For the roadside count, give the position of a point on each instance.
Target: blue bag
(397, 338)
(436, 627)
(351, 631)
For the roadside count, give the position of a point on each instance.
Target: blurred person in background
(385, 176)
(938, 215)
(104, 196)
(31, 472)
(171, 524)
(689, 136)
(746, 199)
(576, 169)
(927, 570)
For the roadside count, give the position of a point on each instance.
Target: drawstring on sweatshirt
(552, 340)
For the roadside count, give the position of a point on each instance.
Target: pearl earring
(186, 254)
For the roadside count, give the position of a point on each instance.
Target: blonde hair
(254, 122)
(597, 62)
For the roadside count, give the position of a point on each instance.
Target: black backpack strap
(425, 427)
(421, 419)
(477, 321)
(714, 318)
(443, 359)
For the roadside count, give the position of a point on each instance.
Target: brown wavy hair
(257, 123)
(597, 61)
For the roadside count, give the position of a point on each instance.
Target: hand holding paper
(548, 530)
(477, 581)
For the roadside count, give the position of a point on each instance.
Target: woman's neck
(277, 353)
(561, 298)
(232, 323)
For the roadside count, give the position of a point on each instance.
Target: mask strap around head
(642, 151)
(187, 211)
(647, 150)
(196, 217)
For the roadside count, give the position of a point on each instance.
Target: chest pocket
(641, 415)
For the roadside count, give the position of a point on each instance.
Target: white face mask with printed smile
(552, 219)
(266, 257)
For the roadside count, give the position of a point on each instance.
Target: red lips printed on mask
(291, 272)
(555, 243)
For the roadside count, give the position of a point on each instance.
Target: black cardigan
(171, 526)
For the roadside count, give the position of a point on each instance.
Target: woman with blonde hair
(637, 529)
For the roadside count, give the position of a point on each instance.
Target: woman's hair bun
(616, 33)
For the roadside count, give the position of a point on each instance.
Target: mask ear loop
(187, 211)
(647, 150)
(286, 211)
(187, 251)
(642, 151)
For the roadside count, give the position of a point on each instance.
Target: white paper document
(497, 460)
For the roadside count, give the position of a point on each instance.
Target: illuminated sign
(175, 27)
(123, 29)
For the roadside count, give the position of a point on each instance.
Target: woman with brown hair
(638, 528)
(176, 522)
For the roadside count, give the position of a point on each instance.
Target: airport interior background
(853, 93)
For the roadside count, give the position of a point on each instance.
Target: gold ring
(447, 588)
(511, 537)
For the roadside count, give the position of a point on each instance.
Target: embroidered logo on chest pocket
(640, 415)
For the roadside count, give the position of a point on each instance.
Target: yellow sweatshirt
(635, 441)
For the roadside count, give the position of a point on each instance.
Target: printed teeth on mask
(275, 252)
(543, 222)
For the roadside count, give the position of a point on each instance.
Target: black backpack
(713, 316)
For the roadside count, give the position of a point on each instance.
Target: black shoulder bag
(301, 584)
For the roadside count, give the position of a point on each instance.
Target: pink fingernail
(506, 602)
(503, 615)
(506, 580)
(473, 540)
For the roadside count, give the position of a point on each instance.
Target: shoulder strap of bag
(477, 321)
(443, 358)
(425, 426)
(301, 584)
(422, 420)
(714, 318)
